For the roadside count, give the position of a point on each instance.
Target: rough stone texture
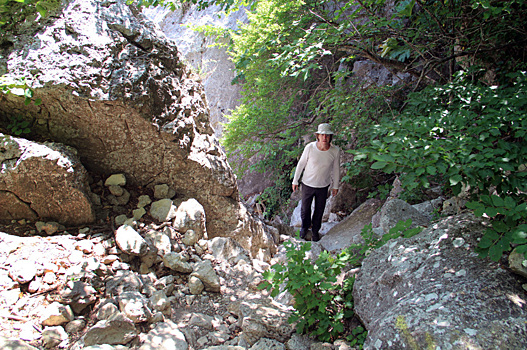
(226, 249)
(395, 210)
(206, 274)
(134, 306)
(14, 344)
(190, 215)
(214, 68)
(123, 281)
(212, 64)
(518, 263)
(56, 314)
(43, 181)
(114, 87)
(115, 330)
(130, 241)
(166, 335)
(348, 231)
(262, 319)
(177, 262)
(433, 290)
(78, 295)
(375, 73)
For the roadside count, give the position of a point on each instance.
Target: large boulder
(434, 291)
(348, 231)
(213, 67)
(43, 180)
(115, 88)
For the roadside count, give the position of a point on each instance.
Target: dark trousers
(320, 195)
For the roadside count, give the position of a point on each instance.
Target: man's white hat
(324, 128)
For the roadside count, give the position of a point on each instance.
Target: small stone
(158, 317)
(195, 285)
(56, 314)
(161, 191)
(134, 306)
(49, 278)
(138, 213)
(163, 210)
(116, 190)
(159, 302)
(115, 180)
(144, 200)
(75, 326)
(48, 227)
(176, 262)
(23, 271)
(124, 198)
(106, 311)
(85, 246)
(53, 336)
(130, 241)
(27, 333)
(107, 260)
(118, 329)
(190, 238)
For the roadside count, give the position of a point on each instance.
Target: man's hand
(334, 192)
(295, 187)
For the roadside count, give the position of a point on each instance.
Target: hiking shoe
(303, 234)
(315, 237)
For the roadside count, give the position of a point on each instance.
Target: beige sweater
(321, 168)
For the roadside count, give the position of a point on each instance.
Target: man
(320, 163)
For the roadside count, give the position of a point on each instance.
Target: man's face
(324, 138)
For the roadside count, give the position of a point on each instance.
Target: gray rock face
(348, 231)
(395, 210)
(166, 335)
(42, 181)
(190, 215)
(214, 68)
(433, 290)
(130, 241)
(78, 295)
(212, 64)
(123, 98)
(123, 281)
(206, 274)
(263, 319)
(116, 330)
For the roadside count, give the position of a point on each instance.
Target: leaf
(500, 226)
(491, 212)
(432, 170)
(473, 205)
(378, 165)
(456, 179)
(495, 252)
(519, 236)
(485, 242)
(497, 201)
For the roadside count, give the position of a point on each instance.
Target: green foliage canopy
(466, 135)
(289, 58)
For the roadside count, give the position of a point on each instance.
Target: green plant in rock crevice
(19, 126)
(18, 87)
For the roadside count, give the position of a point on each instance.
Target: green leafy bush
(471, 136)
(321, 304)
